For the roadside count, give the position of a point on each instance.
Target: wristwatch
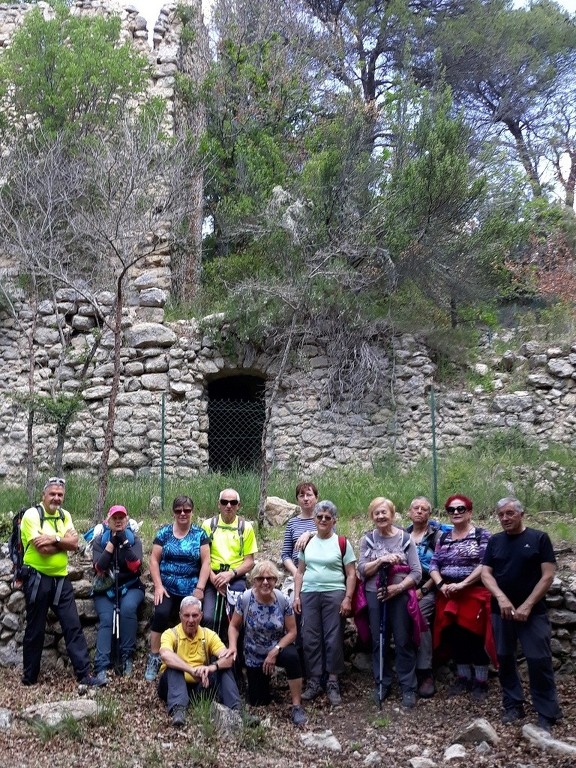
(278, 648)
(58, 539)
(424, 590)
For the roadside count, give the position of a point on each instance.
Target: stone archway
(236, 415)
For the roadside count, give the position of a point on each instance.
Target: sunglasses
(180, 511)
(232, 502)
(55, 481)
(459, 508)
(324, 517)
(265, 578)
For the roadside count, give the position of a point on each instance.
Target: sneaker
(178, 716)
(333, 693)
(479, 691)
(512, 714)
(94, 681)
(313, 689)
(426, 689)
(152, 666)
(379, 698)
(298, 716)
(459, 686)
(408, 699)
(545, 723)
(128, 668)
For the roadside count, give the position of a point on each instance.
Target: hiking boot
(152, 666)
(94, 681)
(298, 716)
(178, 716)
(479, 691)
(545, 723)
(511, 714)
(408, 699)
(459, 686)
(333, 693)
(102, 677)
(385, 693)
(426, 689)
(128, 668)
(312, 690)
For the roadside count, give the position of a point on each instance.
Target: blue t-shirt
(180, 559)
(263, 627)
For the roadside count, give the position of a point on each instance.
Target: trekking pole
(381, 594)
(116, 617)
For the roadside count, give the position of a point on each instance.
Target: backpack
(241, 527)
(16, 548)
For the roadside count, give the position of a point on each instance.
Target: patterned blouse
(180, 559)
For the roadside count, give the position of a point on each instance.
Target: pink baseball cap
(117, 509)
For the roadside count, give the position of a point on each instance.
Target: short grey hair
(326, 506)
(190, 600)
(510, 501)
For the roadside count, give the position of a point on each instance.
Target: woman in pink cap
(117, 558)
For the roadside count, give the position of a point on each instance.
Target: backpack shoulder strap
(281, 599)
(369, 537)
(342, 541)
(245, 602)
(405, 540)
(443, 537)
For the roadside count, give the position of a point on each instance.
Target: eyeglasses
(180, 511)
(324, 517)
(265, 578)
(232, 502)
(459, 508)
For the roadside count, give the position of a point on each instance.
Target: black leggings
(259, 682)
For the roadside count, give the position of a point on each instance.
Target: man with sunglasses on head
(48, 535)
(232, 549)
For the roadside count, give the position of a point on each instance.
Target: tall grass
(501, 464)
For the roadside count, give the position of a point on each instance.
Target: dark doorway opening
(236, 415)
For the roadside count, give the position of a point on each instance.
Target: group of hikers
(421, 595)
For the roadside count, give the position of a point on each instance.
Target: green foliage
(71, 72)
(68, 726)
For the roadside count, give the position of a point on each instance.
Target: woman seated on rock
(269, 634)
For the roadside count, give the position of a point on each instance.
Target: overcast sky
(150, 9)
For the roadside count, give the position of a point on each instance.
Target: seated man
(194, 660)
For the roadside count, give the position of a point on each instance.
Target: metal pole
(434, 455)
(162, 449)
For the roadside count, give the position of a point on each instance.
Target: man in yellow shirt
(48, 534)
(232, 549)
(194, 659)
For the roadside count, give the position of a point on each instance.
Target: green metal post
(162, 450)
(434, 455)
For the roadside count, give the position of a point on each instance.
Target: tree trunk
(110, 421)
(190, 121)
(525, 158)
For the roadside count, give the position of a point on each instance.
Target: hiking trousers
(42, 593)
(534, 636)
(176, 692)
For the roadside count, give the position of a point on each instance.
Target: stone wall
(532, 389)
